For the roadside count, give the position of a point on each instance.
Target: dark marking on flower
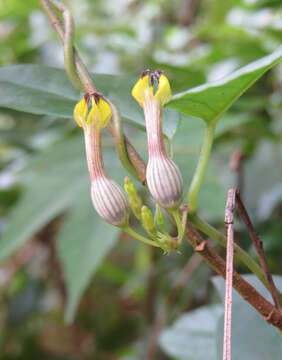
(96, 96)
(87, 97)
(152, 79)
(158, 73)
(145, 73)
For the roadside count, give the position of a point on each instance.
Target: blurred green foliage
(44, 184)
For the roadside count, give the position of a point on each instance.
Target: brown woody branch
(247, 291)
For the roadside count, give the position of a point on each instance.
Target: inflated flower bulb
(163, 177)
(107, 196)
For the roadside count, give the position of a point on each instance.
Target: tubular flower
(163, 176)
(107, 196)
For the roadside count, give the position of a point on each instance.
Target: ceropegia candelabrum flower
(163, 176)
(107, 196)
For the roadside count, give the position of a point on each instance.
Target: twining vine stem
(75, 67)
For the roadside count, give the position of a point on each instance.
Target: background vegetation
(53, 242)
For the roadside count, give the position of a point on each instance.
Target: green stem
(116, 127)
(239, 253)
(69, 52)
(201, 167)
(140, 237)
(87, 81)
(135, 164)
(179, 225)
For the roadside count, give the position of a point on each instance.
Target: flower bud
(159, 216)
(109, 201)
(163, 176)
(148, 221)
(166, 242)
(135, 201)
(99, 114)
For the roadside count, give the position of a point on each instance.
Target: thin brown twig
(229, 219)
(259, 249)
(160, 319)
(246, 290)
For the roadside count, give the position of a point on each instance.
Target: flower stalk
(198, 177)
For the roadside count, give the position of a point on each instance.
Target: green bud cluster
(154, 225)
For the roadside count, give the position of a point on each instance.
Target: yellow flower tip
(163, 93)
(141, 88)
(100, 113)
(80, 112)
(147, 83)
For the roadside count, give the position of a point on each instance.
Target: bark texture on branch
(247, 291)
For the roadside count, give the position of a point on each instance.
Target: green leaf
(210, 101)
(193, 335)
(248, 326)
(51, 181)
(41, 202)
(55, 181)
(45, 90)
(197, 335)
(82, 243)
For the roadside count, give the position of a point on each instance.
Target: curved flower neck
(92, 135)
(153, 119)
